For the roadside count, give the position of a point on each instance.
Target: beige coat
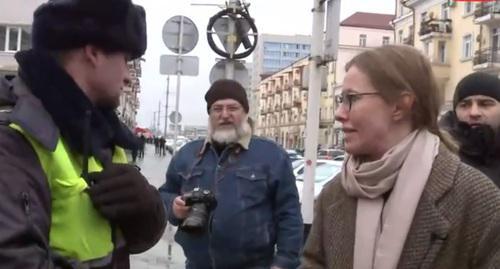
(456, 225)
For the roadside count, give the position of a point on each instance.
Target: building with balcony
(357, 33)
(458, 37)
(129, 100)
(283, 95)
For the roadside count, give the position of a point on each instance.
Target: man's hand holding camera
(181, 211)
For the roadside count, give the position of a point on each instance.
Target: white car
(326, 170)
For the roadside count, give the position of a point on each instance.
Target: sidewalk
(154, 168)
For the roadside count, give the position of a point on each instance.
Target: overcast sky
(271, 16)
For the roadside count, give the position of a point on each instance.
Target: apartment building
(458, 37)
(283, 95)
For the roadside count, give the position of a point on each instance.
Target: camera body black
(202, 202)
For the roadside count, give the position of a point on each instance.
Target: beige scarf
(381, 230)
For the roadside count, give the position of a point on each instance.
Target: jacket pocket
(192, 179)
(252, 185)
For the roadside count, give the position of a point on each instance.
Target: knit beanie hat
(478, 83)
(226, 89)
(112, 25)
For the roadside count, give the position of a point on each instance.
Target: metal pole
(231, 27)
(159, 117)
(166, 108)
(153, 125)
(179, 71)
(312, 122)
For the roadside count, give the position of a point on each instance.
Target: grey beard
(230, 135)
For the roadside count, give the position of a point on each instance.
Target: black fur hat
(113, 25)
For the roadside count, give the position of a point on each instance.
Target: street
(154, 168)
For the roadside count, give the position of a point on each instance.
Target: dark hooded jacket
(46, 102)
(479, 147)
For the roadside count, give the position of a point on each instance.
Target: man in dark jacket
(68, 198)
(475, 122)
(256, 222)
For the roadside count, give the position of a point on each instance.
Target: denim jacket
(257, 222)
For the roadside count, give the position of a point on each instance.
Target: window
(385, 40)
(444, 11)
(495, 40)
(423, 16)
(401, 9)
(467, 46)
(400, 36)
(442, 52)
(362, 40)
(467, 8)
(3, 36)
(14, 38)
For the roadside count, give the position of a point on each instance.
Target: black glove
(124, 197)
(121, 191)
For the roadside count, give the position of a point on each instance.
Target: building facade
(283, 95)
(129, 100)
(273, 53)
(357, 33)
(457, 37)
(15, 31)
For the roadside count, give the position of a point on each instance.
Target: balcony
(435, 29)
(487, 13)
(487, 60)
(408, 40)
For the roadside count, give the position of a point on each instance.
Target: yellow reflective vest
(78, 231)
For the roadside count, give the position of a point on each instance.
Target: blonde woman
(403, 199)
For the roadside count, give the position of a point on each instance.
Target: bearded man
(250, 216)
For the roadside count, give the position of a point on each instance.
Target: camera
(202, 202)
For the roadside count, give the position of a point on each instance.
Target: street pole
(178, 86)
(166, 108)
(159, 117)
(231, 39)
(154, 123)
(312, 122)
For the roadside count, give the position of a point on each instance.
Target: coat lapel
(430, 229)
(339, 230)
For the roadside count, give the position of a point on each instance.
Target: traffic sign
(189, 65)
(176, 27)
(171, 117)
(240, 72)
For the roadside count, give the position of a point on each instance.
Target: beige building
(458, 37)
(16, 18)
(283, 95)
(129, 100)
(357, 33)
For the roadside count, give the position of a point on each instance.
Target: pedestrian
(161, 144)
(403, 199)
(141, 146)
(256, 222)
(475, 122)
(69, 198)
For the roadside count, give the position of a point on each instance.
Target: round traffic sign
(171, 117)
(240, 72)
(176, 27)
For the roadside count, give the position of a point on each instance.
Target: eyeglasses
(349, 98)
(217, 110)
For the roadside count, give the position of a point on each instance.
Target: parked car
(339, 158)
(329, 154)
(293, 155)
(326, 170)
